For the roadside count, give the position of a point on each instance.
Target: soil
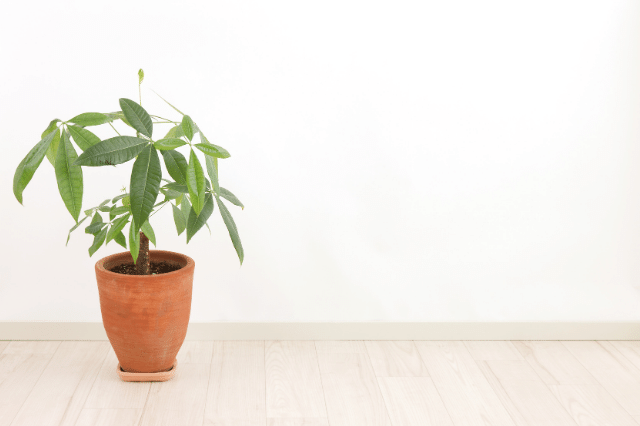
(156, 268)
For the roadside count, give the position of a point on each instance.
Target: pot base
(162, 376)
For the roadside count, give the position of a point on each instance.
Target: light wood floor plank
(3, 345)
(340, 347)
(529, 394)
(630, 350)
(294, 387)
(109, 417)
(493, 380)
(413, 401)
(396, 359)
(21, 365)
(61, 391)
(236, 394)
(591, 405)
(492, 350)
(553, 362)
(298, 422)
(351, 390)
(466, 393)
(614, 372)
(179, 401)
(109, 391)
(195, 352)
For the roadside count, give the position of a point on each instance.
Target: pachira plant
(191, 194)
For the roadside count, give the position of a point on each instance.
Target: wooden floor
(324, 383)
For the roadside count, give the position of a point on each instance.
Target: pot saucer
(162, 376)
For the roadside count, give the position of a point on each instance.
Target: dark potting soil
(156, 268)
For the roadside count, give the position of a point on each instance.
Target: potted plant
(145, 295)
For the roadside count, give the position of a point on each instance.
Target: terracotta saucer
(162, 376)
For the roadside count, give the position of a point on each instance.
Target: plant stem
(162, 118)
(115, 129)
(143, 265)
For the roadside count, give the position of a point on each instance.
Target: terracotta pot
(146, 316)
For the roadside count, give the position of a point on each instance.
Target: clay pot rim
(190, 264)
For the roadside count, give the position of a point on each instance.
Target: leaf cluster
(191, 192)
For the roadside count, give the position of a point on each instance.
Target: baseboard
(346, 331)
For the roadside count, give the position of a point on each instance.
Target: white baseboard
(346, 331)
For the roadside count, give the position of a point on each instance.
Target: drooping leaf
(53, 125)
(137, 116)
(117, 226)
(231, 227)
(179, 220)
(94, 228)
(112, 151)
(228, 195)
(145, 184)
(98, 240)
(29, 165)
(74, 228)
(168, 144)
(52, 151)
(212, 170)
(213, 150)
(197, 221)
(195, 182)
(83, 138)
(91, 119)
(148, 232)
(140, 76)
(169, 103)
(176, 165)
(69, 177)
(134, 241)
(187, 126)
(120, 239)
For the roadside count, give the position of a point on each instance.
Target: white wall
(425, 160)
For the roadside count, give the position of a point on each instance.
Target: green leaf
(115, 211)
(170, 194)
(195, 182)
(119, 115)
(231, 227)
(83, 138)
(212, 170)
(119, 197)
(169, 143)
(94, 228)
(120, 239)
(91, 119)
(169, 103)
(213, 150)
(52, 151)
(134, 241)
(126, 201)
(179, 219)
(173, 186)
(140, 76)
(176, 166)
(197, 221)
(117, 226)
(112, 151)
(137, 116)
(172, 133)
(145, 184)
(29, 165)
(187, 126)
(74, 228)
(97, 218)
(228, 195)
(185, 206)
(148, 232)
(97, 241)
(69, 177)
(52, 126)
